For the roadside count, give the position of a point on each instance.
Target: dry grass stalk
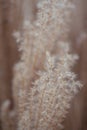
(48, 100)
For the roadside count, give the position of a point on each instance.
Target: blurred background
(12, 14)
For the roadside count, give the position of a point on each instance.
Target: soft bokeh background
(12, 14)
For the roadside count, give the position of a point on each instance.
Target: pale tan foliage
(48, 100)
(51, 94)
